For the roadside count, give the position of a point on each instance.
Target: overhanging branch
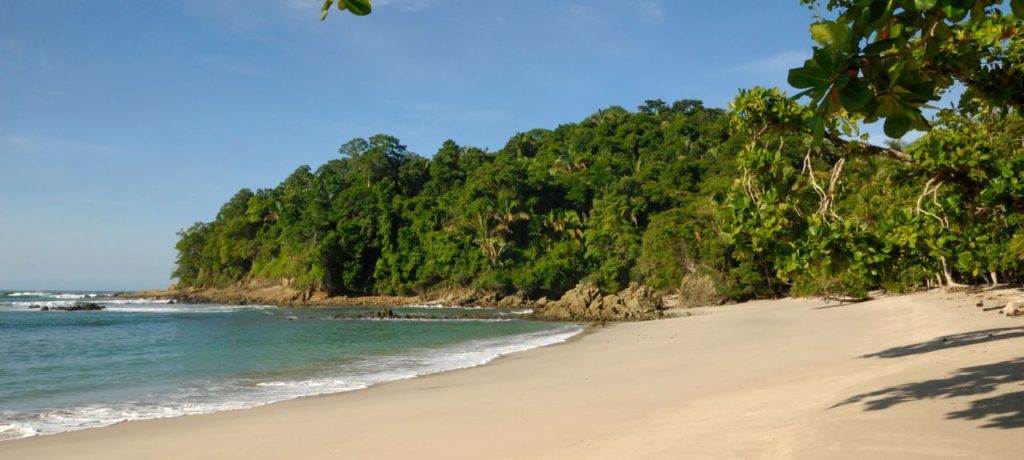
(855, 147)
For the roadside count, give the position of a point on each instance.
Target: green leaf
(818, 129)
(878, 47)
(357, 7)
(829, 33)
(896, 127)
(856, 95)
(325, 8)
(955, 13)
(1018, 8)
(808, 76)
(925, 4)
(889, 106)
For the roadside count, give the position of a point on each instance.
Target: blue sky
(122, 122)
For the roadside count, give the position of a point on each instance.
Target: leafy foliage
(597, 199)
(356, 7)
(769, 198)
(887, 59)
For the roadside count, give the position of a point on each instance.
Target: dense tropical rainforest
(771, 196)
(619, 196)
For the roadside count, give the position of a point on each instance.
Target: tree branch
(855, 147)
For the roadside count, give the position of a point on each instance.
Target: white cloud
(580, 13)
(49, 146)
(651, 10)
(775, 64)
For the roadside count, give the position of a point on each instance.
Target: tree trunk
(949, 274)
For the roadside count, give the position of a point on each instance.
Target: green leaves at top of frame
(356, 7)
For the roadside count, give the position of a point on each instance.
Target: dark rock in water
(379, 314)
(33, 307)
(385, 314)
(171, 302)
(76, 307)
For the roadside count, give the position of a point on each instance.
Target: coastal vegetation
(776, 195)
(621, 196)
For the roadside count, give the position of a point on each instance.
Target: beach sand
(770, 379)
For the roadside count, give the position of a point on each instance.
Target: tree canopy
(772, 196)
(888, 59)
(596, 200)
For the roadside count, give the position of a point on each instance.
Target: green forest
(776, 194)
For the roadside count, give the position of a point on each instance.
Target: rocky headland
(585, 302)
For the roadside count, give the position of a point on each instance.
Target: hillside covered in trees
(772, 196)
(620, 196)
(668, 195)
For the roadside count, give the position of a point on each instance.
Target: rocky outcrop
(516, 300)
(464, 296)
(391, 314)
(1015, 308)
(254, 292)
(76, 307)
(585, 302)
(698, 290)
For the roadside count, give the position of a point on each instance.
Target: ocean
(142, 359)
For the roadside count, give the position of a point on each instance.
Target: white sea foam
(139, 306)
(525, 311)
(439, 306)
(29, 294)
(428, 319)
(73, 296)
(166, 307)
(68, 303)
(248, 393)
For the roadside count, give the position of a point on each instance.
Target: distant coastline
(585, 302)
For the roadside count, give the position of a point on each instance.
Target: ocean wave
(525, 311)
(428, 319)
(70, 302)
(67, 296)
(139, 306)
(57, 295)
(246, 393)
(335, 385)
(166, 307)
(29, 294)
(439, 306)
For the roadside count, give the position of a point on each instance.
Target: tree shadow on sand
(950, 341)
(1002, 411)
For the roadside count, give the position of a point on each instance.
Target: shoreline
(584, 302)
(271, 295)
(791, 378)
(417, 363)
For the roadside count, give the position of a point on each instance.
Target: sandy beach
(928, 375)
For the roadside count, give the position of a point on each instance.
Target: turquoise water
(141, 359)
